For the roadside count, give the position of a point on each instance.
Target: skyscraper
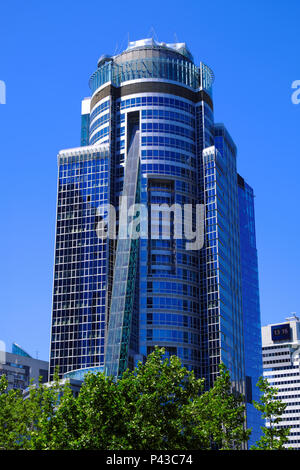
(148, 136)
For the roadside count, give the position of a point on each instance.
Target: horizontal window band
(152, 87)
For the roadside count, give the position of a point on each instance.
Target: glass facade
(251, 307)
(222, 258)
(148, 133)
(80, 274)
(16, 349)
(230, 293)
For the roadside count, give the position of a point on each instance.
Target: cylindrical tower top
(147, 59)
(146, 48)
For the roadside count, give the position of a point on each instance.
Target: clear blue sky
(48, 51)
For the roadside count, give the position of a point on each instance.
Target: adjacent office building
(19, 368)
(148, 135)
(281, 364)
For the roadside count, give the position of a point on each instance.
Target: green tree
(31, 423)
(11, 409)
(146, 409)
(224, 414)
(271, 409)
(40, 409)
(160, 405)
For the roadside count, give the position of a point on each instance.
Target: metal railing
(175, 70)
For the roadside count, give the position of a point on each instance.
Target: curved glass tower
(148, 137)
(158, 87)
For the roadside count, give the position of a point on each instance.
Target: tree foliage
(271, 409)
(160, 405)
(225, 413)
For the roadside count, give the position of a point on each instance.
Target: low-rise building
(19, 368)
(281, 353)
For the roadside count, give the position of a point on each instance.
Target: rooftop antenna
(176, 38)
(116, 49)
(37, 354)
(152, 34)
(122, 43)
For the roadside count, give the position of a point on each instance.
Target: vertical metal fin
(119, 325)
